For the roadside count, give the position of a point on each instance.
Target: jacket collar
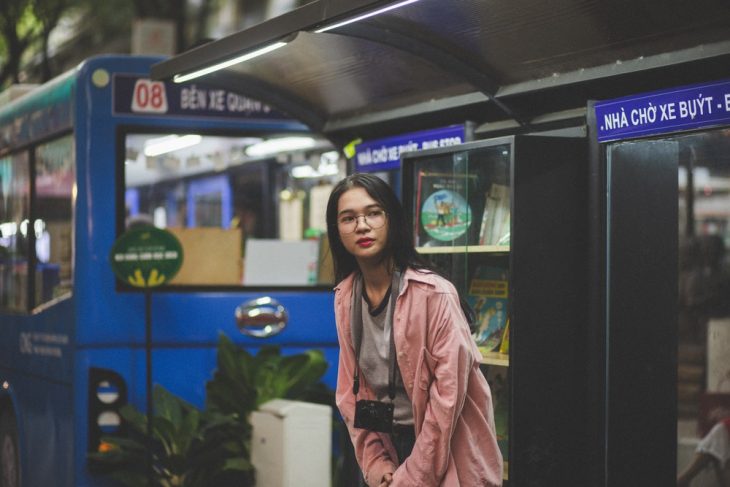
(425, 277)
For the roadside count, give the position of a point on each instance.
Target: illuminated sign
(679, 109)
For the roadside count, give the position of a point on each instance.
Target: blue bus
(91, 153)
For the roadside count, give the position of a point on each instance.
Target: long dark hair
(399, 245)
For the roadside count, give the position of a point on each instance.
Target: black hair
(399, 245)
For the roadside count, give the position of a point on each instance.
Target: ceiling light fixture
(365, 16)
(282, 144)
(180, 78)
(170, 143)
(307, 171)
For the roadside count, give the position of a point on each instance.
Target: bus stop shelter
(521, 63)
(509, 67)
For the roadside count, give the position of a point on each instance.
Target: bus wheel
(9, 458)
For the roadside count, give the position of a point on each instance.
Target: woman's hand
(387, 479)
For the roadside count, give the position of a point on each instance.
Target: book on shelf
(442, 212)
(488, 295)
(495, 225)
(504, 345)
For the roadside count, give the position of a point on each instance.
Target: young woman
(409, 388)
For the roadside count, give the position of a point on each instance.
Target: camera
(374, 416)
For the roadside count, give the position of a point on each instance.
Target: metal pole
(148, 362)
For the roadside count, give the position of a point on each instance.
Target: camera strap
(357, 330)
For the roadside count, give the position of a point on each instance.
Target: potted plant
(190, 447)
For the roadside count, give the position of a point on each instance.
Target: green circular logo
(146, 257)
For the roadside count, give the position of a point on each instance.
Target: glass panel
(703, 375)
(241, 206)
(54, 203)
(14, 223)
(462, 198)
(703, 395)
(461, 208)
(488, 274)
(490, 166)
(460, 205)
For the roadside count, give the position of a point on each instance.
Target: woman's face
(358, 217)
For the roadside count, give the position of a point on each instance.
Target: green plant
(242, 382)
(189, 447)
(194, 448)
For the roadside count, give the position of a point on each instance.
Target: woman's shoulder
(432, 281)
(345, 285)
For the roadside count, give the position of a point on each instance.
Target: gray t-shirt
(374, 357)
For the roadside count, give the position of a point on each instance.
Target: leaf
(136, 420)
(164, 431)
(239, 463)
(169, 406)
(214, 419)
(268, 354)
(189, 430)
(235, 361)
(232, 387)
(304, 370)
(227, 395)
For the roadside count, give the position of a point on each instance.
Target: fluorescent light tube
(365, 16)
(163, 145)
(307, 171)
(283, 144)
(180, 78)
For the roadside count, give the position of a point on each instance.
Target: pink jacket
(456, 444)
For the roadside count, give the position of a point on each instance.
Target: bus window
(14, 219)
(220, 195)
(54, 195)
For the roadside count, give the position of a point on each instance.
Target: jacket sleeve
(444, 373)
(372, 450)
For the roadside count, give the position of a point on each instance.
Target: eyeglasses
(373, 219)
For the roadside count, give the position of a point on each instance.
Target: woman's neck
(376, 280)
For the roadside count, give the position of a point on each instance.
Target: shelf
(470, 249)
(495, 358)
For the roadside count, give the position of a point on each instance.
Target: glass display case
(506, 221)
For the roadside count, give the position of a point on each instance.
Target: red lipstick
(365, 242)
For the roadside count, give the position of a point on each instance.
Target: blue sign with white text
(135, 95)
(384, 154)
(678, 109)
